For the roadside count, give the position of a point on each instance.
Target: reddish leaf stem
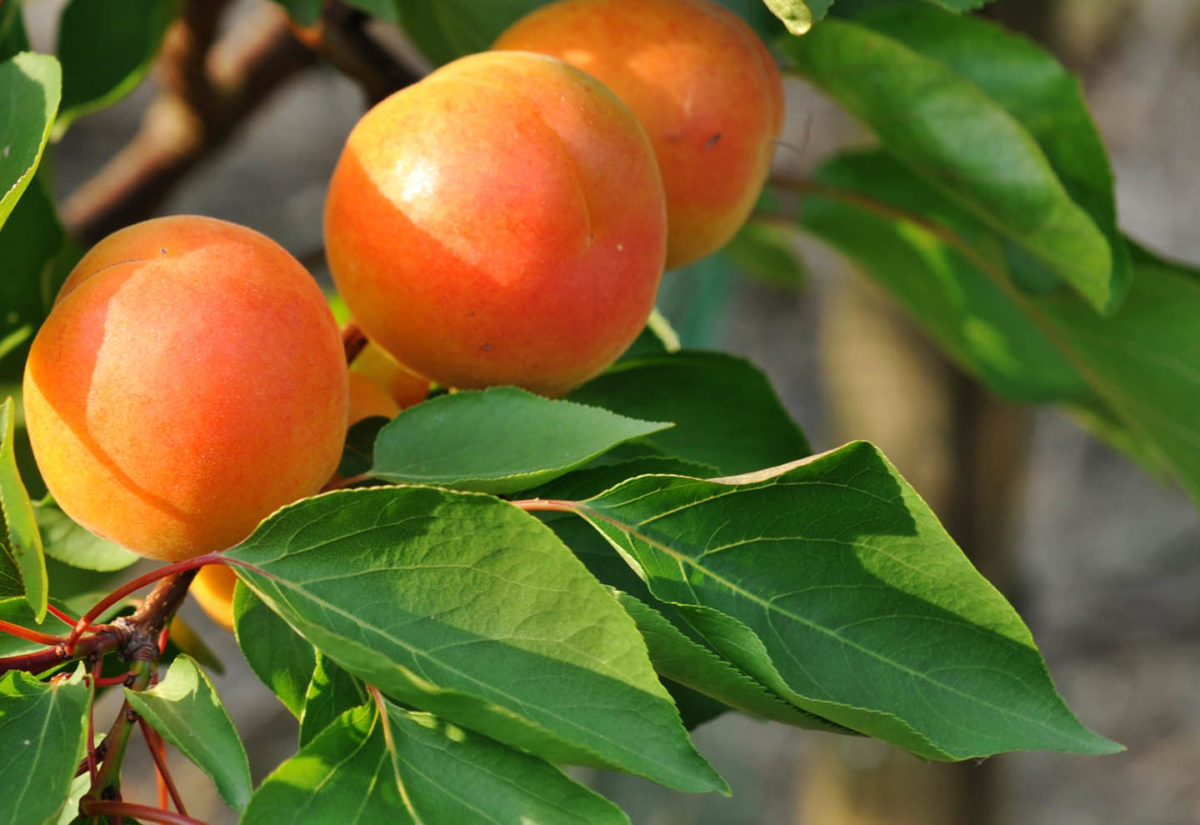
(65, 618)
(90, 806)
(137, 584)
(154, 742)
(30, 635)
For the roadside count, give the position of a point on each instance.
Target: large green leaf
(105, 48)
(30, 87)
(413, 768)
(726, 414)
(20, 540)
(500, 440)
(185, 709)
(1144, 361)
(280, 658)
(1133, 373)
(1036, 90)
(973, 316)
(832, 583)
(42, 727)
(468, 607)
(331, 693)
(952, 133)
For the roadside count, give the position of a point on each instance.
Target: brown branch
(341, 38)
(90, 806)
(207, 93)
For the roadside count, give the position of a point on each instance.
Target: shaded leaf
(278, 656)
(185, 709)
(72, 544)
(689, 663)
(20, 540)
(965, 144)
(464, 605)
(30, 241)
(500, 440)
(331, 693)
(30, 86)
(105, 48)
(726, 414)
(766, 252)
(833, 584)
(42, 726)
(304, 12)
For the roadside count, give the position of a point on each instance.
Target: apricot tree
(459, 600)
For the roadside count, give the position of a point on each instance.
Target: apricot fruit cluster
(506, 220)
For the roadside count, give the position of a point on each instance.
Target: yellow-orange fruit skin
(369, 398)
(406, 388)
(702, 84)
(213, 591)
(189, 381)
(500, 222)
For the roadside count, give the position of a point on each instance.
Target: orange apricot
(213, 591)
(702, 84)
(405, 387)
(369, 398)
(189, 381)
(500, 222)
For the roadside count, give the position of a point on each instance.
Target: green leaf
(12, 30)
(43, 727)
(832, 583)
(185, 709)
(19, 536)
(383, 9)
(278, 656)
(949, 131)
(1035, 89)
(359, 452)
(596, 478)
(106, 47)
(1135, 372)
(796, 16)
(15, 610)
(500, 440)
(30, 86)
(453, 775)
(331, 693)
(726, 414)
(1144, 361)
(31, 246)
(767, 252)
(304, 12)
(975, 317)
(71, 544)
(679, 658)
(412, 768)
(344, 775)
(465, 606)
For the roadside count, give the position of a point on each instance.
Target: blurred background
(1102, 561)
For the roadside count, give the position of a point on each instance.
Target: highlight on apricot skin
(189, 381)
(213, 591)
(500, 222)
(702, 84)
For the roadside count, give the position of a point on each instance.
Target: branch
(341, 37)
(207, 92)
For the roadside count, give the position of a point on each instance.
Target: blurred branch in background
(210, 87)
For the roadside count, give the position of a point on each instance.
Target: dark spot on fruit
(712, 141)
(486, 347)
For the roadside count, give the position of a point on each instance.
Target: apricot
(702, 84)
(500, 222)
(369, 398)
(189, 381)
(213, 591)
(406, 388)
